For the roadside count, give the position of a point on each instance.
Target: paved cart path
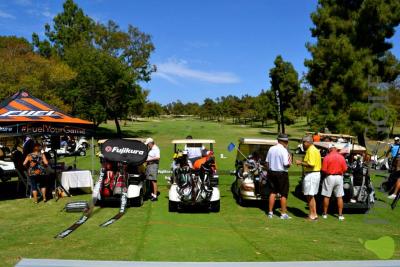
(76, 263)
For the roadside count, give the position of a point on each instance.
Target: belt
(311, 172)
(278, 171)
(341, 174)
(152, 162)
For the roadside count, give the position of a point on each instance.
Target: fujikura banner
(122, 150)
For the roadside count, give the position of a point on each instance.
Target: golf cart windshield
(336, 138)
(184, 144)
(254, 146)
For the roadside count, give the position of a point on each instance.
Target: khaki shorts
(333, 183)
(311, 183)
(151, 172)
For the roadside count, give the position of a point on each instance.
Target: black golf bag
(195, 186)
(357, 183)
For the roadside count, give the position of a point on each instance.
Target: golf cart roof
(193, 141)
(353, 147)
(383, 142)
(333, 135)
(257, 141)
(101, 141)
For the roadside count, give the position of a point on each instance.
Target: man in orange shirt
(206, 155)
(334, 166)
(316, 137)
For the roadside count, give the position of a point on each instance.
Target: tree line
(95, 70)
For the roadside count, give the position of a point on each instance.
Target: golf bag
(259, 177)
(195, 185)
(76, 206)
(388, 184)
(357, 184)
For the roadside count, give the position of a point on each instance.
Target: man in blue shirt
(394, 148)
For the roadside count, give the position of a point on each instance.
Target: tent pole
(92, 156)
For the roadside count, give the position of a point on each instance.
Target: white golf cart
(138, 188)
(250, 176)
(76, 148)
(379, 161)
(7, 167)
(194, 182)
(327, 137)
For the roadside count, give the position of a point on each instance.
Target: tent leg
(92, 156)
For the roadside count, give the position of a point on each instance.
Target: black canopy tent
(23, 114)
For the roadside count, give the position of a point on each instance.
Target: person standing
(316, 137)
(36, 163)
(394, 150)
(153, 160)
(278, 161)
(194, 150)
(333, 166)
(312, 175)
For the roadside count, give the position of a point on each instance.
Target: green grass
(151, 233)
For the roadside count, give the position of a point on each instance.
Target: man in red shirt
(334, 166)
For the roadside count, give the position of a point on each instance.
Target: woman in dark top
(36, 163)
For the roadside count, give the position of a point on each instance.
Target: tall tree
(111, 64)
(152, 109)
(285, 85)
(21, 68)
(264, 106)
(352, 47)
(69, 28)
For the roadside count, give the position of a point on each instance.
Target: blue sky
(206, 48)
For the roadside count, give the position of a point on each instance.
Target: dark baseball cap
(283, 137)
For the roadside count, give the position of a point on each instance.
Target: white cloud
(6, 15)
(41, 12)
(173, 69)
(48, 14)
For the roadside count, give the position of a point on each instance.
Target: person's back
(276, 158)
(394, 150)
(316, 138)
(335, 162)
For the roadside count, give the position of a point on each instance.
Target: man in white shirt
(278, 162)
(193, 150)
(153, 160)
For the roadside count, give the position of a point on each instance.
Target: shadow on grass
(8, 190)
(297, 212)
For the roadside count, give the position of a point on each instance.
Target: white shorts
(333, 183)
(311, 183)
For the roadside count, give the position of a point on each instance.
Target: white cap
(397, 138)
(149, 140)
(331, 145)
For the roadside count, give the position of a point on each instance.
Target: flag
(231, 146)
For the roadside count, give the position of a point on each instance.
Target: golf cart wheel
(240, 200)
(215, 206)
(172, 206)
(82, 153)
(137, 201)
